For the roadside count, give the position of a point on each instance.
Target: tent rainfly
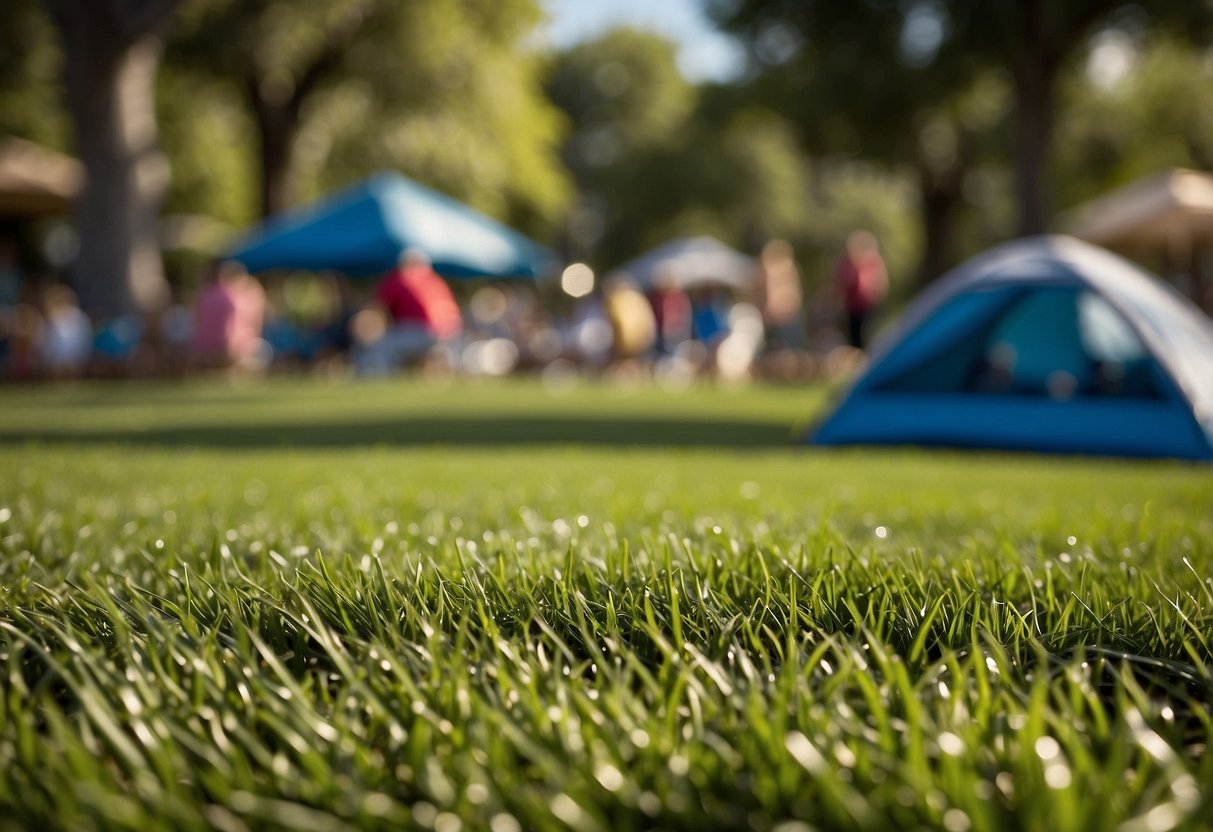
(363, 230)
(1046, 344)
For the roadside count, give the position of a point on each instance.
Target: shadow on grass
(454, 429)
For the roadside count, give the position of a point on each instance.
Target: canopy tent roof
(36, 182)
(1169, 209)
(1045, 344)
(363, 230)
(690, 262)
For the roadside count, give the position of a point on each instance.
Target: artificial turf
(326, 606)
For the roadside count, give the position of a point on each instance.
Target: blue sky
(704, 53)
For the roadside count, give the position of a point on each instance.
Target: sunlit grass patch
(553, 636)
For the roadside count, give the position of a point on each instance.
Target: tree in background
(210, 140)
(655, 157)
(1140, 104)
(906, 109)
(1035, 41)
(444, 90)
(278, 55)
(111, 53)
(884, 60)
(625, 101)
(29, 76)
(861, 82)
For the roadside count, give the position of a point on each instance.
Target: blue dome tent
(1046, 344)
(362, 231)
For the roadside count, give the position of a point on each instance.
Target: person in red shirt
(413, 295)
(421, 312)
(863, 282)
(672, 311)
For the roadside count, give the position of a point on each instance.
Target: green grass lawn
(327, 606)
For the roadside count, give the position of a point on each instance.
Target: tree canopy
(444, 91)
(920, 82)
(942, 126)
(655, 157)
(29, 74)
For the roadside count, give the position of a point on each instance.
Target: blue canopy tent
(1049, 345)
(363, 230)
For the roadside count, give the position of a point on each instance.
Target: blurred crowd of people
(412, 320)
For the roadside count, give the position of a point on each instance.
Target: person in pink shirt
(228, 318)
(863, 282)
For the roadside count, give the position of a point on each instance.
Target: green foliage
(749, 170)
(624, 93)
(743, 180)
(550, 637)
(445, 92)
(205, 132)
(29, 70)
(860, 86)
(480, 128)
(656, 158)
(1156, 116)
(843, 74)
(938, 87)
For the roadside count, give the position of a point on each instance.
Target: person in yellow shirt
(631, 317)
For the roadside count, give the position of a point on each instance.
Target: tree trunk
(277, 127)
(1034, 78)
(110, 80)
(941, 187)
(939, 231)
(1033, 145)
(277, 105)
